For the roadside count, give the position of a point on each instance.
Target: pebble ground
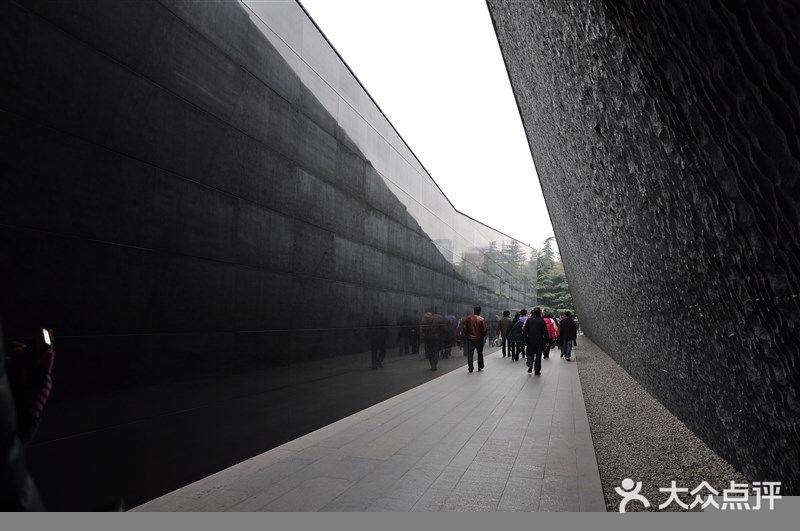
(636, 437)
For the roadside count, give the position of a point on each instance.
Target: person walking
(413, 336)
(461, 339)
(552, 333)
(449, 333)
(492, 325)
(405, 324)
(515, 338)
(502, 330)
(535, 331)
(568, 334)
(521, 346)
(378, 328)
(475, 330)
(430, 330)
(557, 321)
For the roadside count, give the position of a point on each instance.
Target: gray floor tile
(521, 494)
(352, 468)
(559, 493)
(310, 496)
(504, 442)
(374, 485)
(590, 492)
(463, 502)
(432, 500)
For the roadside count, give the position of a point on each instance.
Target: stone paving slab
(496, 440)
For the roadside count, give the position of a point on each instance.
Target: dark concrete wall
(665, 135)
(185, 195)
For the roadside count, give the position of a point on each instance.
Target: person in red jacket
(552, 333)
(475, 330)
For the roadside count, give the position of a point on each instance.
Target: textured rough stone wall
(665, 136)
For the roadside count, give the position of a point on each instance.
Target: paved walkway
(498, 440)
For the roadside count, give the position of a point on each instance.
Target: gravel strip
(636, 437)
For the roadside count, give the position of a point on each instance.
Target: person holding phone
(31, 359)
(18, 491)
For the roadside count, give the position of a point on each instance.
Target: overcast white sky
(435, 68)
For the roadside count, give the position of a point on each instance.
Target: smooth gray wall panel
(195, 205)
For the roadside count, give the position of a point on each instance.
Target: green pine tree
(551, 282)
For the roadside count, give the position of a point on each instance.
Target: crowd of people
(528, 335)
(515, 335)
(531, 336)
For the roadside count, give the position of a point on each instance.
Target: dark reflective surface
(224, 232)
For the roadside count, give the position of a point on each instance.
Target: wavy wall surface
(665, 135)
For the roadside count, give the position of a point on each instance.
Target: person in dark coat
(413, 336)
(378, 329)
(515, 337)
(408, 333)
(461, 339)
(535, 331)
(502, 330)
(568, 334)
(18, 492)
(450, 326)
